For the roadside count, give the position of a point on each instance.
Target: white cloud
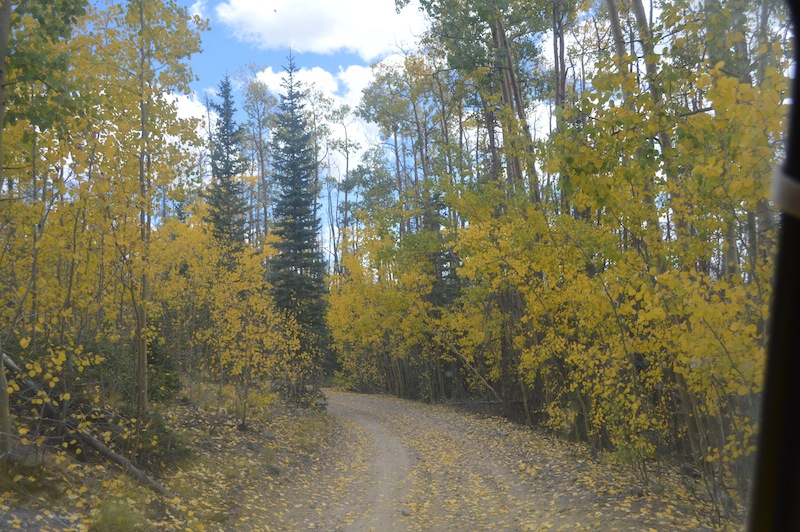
(344, 88)
(319, 77)
(189, 106)
(370, 28)
(355, 79)
(192, 107)
(198, 9)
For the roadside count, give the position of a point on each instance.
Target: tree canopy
(564, 212)
(297, 270)
(226, 202)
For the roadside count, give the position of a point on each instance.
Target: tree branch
(50, 412)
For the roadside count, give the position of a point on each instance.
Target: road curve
(400, 465)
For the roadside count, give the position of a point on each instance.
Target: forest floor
(367, 462)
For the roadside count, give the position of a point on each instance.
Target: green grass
(117, 515)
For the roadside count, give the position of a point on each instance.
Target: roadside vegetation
(564, 215)
(216, 476)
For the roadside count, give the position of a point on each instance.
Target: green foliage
(39, 61)
(225, 195)
(117, 514)
(611, 275)
(618, 287)
(164, 382)
(297, 270)
(222, 317)
(77, 206)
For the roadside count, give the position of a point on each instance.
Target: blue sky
(333, 41)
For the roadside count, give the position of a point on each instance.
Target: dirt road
(400, 465)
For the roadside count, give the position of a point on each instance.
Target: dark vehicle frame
(775, 503)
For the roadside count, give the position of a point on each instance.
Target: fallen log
(50, 412)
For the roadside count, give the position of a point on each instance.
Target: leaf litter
(368, 463)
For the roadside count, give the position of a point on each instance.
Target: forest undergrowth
(582, 232)
(271, 474)
(216, 471)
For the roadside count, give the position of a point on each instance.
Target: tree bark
(399, 178)
(5, 33)
(144, 223)
(512, 97)
(560, 77)
(616, 32)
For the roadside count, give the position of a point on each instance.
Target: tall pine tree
(297, 271)
(227, 206)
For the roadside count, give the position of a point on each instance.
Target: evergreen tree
(297, 271)
(225, 195)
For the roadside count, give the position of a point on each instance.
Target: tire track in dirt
(399, 465)
(389, 469)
